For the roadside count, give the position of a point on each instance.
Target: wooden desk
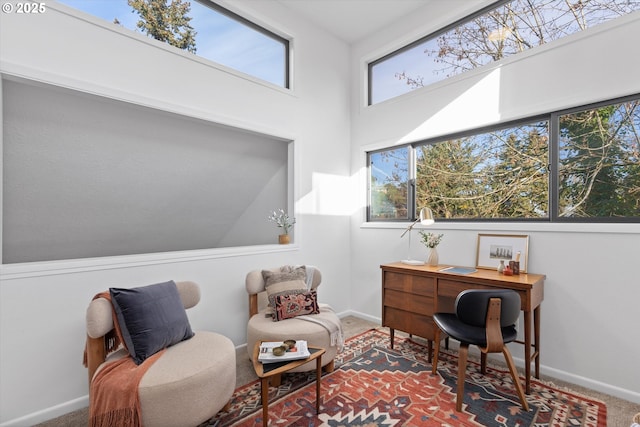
(412, 293)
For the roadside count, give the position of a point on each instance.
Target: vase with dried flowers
(284, 221)
(431, 241)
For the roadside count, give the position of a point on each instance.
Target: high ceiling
(352, 20)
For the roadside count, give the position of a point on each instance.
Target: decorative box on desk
(412, 293)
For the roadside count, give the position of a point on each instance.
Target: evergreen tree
(447, 181)
(167, 21)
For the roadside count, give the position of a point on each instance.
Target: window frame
(552, 167)
(410, 182)
(419, 41)
(554, 160)
(432, 36)
(270, 34)
(214, 7)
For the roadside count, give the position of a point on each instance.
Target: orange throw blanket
(113, 392)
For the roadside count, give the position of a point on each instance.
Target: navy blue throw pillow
(151, 318)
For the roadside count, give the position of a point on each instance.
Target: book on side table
(298, 351)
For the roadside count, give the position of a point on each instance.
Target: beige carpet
(620, 412)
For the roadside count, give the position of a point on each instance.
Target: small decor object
(291, 344)
(501, 267)
(432, 259)
(493, 248)
(507, 271)
(282, 220)
(515, 265)
(431, 241)
(284, 239)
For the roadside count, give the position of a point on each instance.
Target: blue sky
(413, 61)
(219, 38)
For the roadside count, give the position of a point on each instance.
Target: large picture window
(503, 29)
(586, 169)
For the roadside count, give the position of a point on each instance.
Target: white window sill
(514, 227)
(48, 268)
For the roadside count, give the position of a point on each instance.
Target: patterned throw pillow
(286, 273)
(288, 280)
(288, 306)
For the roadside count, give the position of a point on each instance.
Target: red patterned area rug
(373, 385)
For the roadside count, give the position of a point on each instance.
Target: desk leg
(527, 351)
(318, 375)
(392, 335)
(536, 338)
(264, 389)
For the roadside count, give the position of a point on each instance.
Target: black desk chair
(486, 318)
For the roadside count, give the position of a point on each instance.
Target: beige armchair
(321, 330)
(188, 384)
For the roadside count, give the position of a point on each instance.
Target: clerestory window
(503, 29)
(579, 165)
(203, 28)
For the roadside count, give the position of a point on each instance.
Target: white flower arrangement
(431, 240)
(282, 220)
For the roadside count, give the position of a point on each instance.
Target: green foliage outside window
(166, 22)
(500, 174)
(504, 174)
(599, 156)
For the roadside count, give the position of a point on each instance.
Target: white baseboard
(48, 413)
(621, 393)
(363, 316)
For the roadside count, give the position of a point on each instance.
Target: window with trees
(203, 28)
(598, 162)
(503, 29)
(389, 184)
(581, 165)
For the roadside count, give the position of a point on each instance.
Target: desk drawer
(410, 323)
(417, 285)
(451, 288)
(409, 302)
(448, 290)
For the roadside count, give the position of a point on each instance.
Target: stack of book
(299, 351)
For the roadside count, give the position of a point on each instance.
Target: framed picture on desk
(493, 248)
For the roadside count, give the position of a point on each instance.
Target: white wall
(590, 312)
(587, 296)
(42, 305)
